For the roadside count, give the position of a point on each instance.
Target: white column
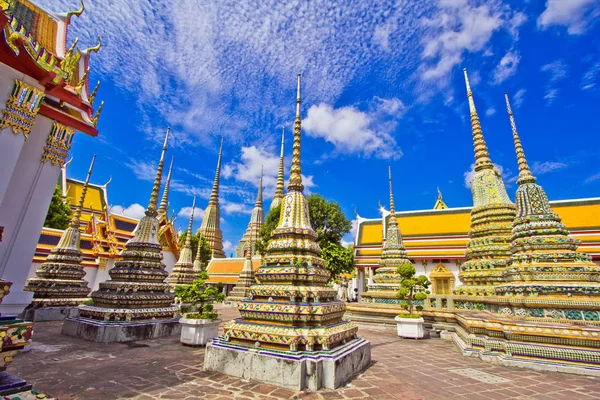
(22, 213)
(371, 274)
(361, 281)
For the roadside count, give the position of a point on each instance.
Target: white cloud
(518, 98)
(352, 131)
(185, 213)
(588, 81)
(540, 168)
(490, 111)
(135, 210)
(593, 178)
(507, 66)
(459, 27)
(228, 247)
(231, 208)
(248, 168)
(576, 15)
(556, 71)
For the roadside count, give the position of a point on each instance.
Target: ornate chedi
(211, 222)
(136, 292)
(183, 270)
(544, 261)
(279, 187)
(393, 255)
(59, 280)
(257, 219)
(491, 220)
(245, 280)
(291, 315)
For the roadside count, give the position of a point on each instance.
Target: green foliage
(411, 287)
(330, 224)
(195, 239)
(59, 212)
(200, 298)
(404, 305)
(88, 302)
(409, 315)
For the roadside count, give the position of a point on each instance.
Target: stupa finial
(77, 214)
(482, 157)
(214, 195)
(164, 202)
(296, 170)
(259, 196)
(151, 210)
(392, 206)
(525, 175)
(280, 174)
(188, 236)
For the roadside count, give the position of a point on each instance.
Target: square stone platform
(110, 332)
(290, 370)
(42, 314)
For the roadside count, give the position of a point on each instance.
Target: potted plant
(412, 288)
(199, 323)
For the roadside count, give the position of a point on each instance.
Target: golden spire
(296, 170)
(214, 195)
(76, 13)
(188, 236)
(280, 179)
(525, 175)
(151, 210)
(482, 157)
(392, 220)
(164, 202)
(259, 196)
(93, 95)
(77, 214)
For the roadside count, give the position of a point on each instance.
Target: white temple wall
(22, 214)
(169, 260)
(10, 144)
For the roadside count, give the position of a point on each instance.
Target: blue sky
(381, 84)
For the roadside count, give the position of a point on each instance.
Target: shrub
(412, 287)
(199, 298)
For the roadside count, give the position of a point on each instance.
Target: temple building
(279, 187)
(136, 303)
(58, 287)
(211, 221)
(257, 219)
(103, 232)
(291, 310)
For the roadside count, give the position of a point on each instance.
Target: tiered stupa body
(393, 255)
(257, 219)
(279, 187)
(137, 290)
(211, 222)
(492, 216)
(544, 260)
(59, 280)
(183, 270)
(292, 308)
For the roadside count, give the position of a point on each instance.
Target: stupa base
(10, 384)
(110, 332)
(40, 314)
(291, 370)
(373, 313)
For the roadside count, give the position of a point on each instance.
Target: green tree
(330, 224)
(195, 239)
(205, 253)
(59, 212)
(412, 287)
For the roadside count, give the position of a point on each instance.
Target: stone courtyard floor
(68, 368)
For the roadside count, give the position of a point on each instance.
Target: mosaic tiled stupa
(183, 270)
(291, 315)
(136, 290)
(544, 260)
(211, 222)
(245, 280)
(257, 219)
(59, 282)
(279, 187)
(491, 219)
(393, 255)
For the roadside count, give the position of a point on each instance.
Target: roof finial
(188, 236)
(93, 95)
(296, 170)
(525, 175)
(95, 48)
(439, 203)
(214, 195)
(108, 182)
(392, 206)
(76, 13)
(164, 202)
(259, 196)
(77, 214)
(482, 157)
(151, 210)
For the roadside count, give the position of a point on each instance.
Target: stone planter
(410, 327)
(198, 332)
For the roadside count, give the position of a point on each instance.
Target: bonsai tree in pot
(200, 323)
(412, 288)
